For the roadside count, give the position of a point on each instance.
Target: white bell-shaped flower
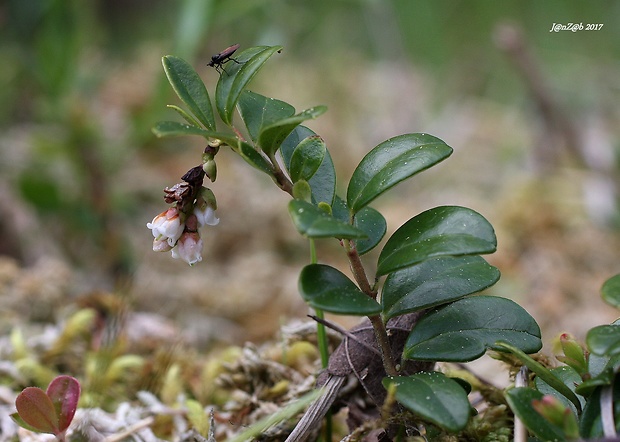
(188, 248)
(167, 226)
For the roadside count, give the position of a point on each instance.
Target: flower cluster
(176, 229)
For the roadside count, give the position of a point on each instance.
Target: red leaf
(64, 392)
(36, 409)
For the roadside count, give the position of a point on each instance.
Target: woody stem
(377, 323)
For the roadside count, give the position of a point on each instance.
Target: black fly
(218, 60)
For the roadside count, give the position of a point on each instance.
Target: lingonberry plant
(417, 303)
(581, 398)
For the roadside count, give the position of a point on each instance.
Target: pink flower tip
(188, 248)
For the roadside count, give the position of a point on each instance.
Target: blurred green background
(532, 114)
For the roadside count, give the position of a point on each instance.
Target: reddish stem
(377, 323)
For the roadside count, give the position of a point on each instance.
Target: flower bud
(210, 169)
(575, 355)
(302, 191)
(558, 414)
(205, 208)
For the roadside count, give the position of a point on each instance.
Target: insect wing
(226, 53)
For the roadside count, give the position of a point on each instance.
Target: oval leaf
(375, 226)
(312, 222)
(234, 80)
(323, 183)
(611, 291)
(176, 129)
(246, 151)
(367, 219)
(22, 423)
(601, 370)
(37, 410)
(569, 377)
(187, 117)
(602, 364)
(307, 158)
(587, 387)
(64, 391)
(258, 111)
(254, 158)
(328, 289)
(590, 422)
(447, 230)
(390, 163)
(604, 340)
(434, 397)
(541, 371)
(520, 401)
(463, 330)
(434, 282)
(190, 89)
(271, 137)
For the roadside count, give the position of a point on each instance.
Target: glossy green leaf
(258, 111)
(598, 364)
(271, 137)
(463, 330)
(541, 371)
(237, 76)
(567, 376)
(587, 387)
(37, 410)
(601, 369)
(307, 158)
(64, 391)
(312, 222)
(611, 291)
(245, 150)
(254, 158)
(435, 282)
(604, 340)
(442, 231)
(190, 89)
(328, 289)
(433, 396)
(323, 182)
(390, 163)
(367, 219)
(340, 210)
(590, 424)
(187, 117)
(520, 401)
(176, 129)
(373, 223)
(227, 78)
